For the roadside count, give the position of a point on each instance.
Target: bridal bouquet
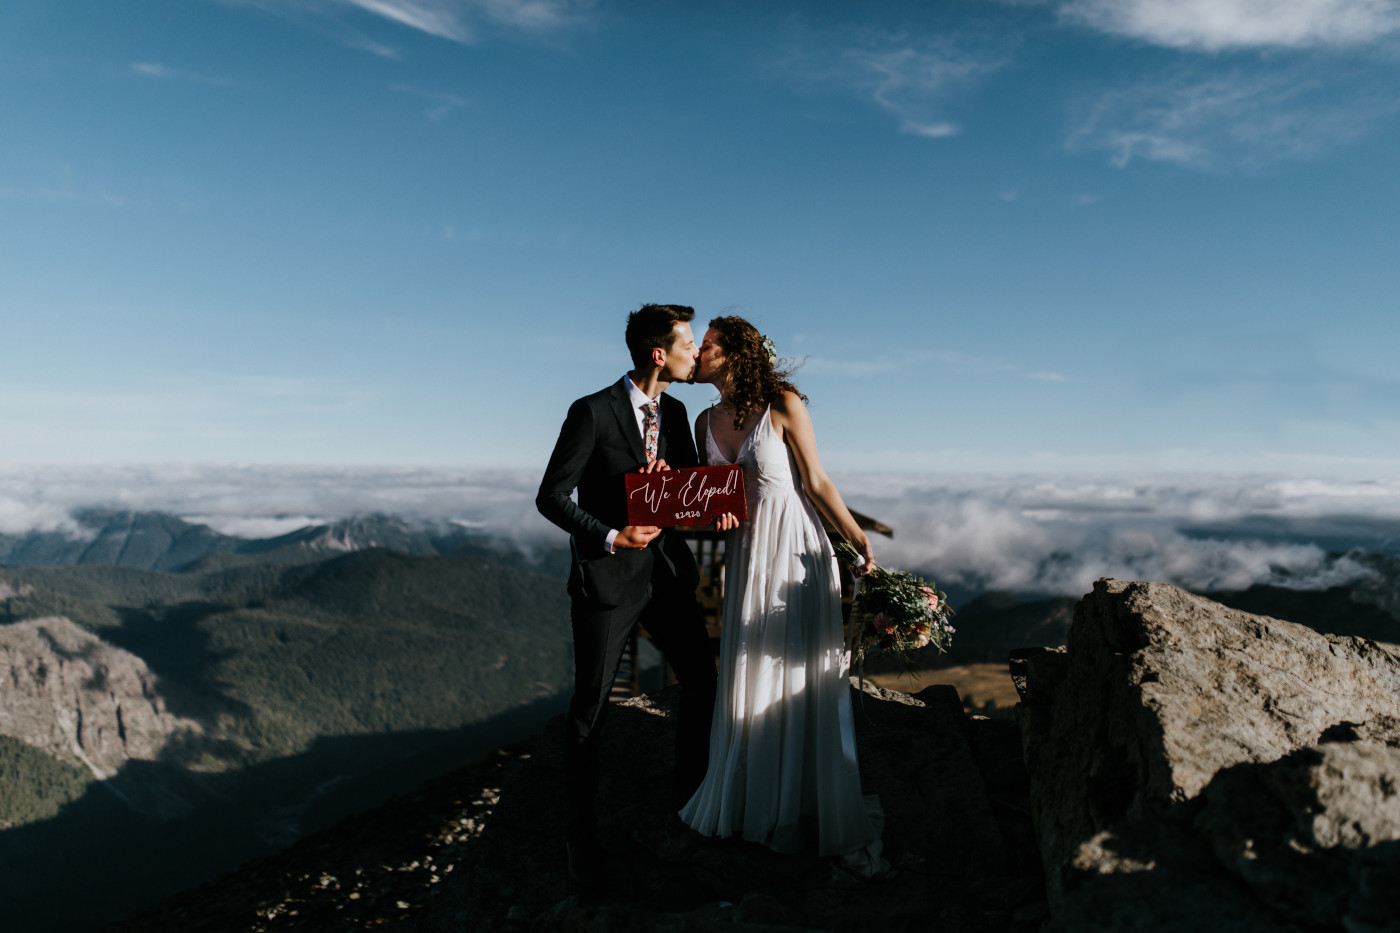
(897, 611)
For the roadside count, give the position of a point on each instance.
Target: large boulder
(1197, 767)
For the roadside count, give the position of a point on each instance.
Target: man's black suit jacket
(598, 445)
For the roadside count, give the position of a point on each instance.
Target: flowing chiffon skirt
(783, 769)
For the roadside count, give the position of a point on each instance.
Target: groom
(624, 574)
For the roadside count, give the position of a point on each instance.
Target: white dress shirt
(639, 399)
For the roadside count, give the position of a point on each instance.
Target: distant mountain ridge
(148, 540)
(161, 541)
(364, 531)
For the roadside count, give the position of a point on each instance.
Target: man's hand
(726, 521)
(654, 466)
(635, 537)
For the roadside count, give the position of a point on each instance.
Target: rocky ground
(1179, 766)
(985, 689)
(483, 848)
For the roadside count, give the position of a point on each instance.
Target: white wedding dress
(783, 769)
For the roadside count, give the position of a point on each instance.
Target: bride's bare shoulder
(789, 403)
(788, 413)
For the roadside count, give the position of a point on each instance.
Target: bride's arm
(702, 421)
(791, 420)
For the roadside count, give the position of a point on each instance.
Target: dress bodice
(768, 468)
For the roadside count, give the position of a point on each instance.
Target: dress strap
(713, 454)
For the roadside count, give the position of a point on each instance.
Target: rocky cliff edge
(1198, 768)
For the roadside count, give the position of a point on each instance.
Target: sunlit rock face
(66, 692)
(1193, 765)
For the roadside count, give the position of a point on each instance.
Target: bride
(782, 768)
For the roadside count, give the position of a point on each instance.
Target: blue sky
(1071, 235)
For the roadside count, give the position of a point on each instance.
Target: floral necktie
(649, 429)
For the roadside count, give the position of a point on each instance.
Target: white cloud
(861, 369)
(913, 80)
(1215, 25)
(942, 359)
(20, 515)
(255, 526)
(460, 21)
(930, 130)
(1059, 534)
(454, 19)
(40, 194)
(435, 18)
(1039, 533)
(65, 193)
(150, 69)
(165, 72)
(534, 14)
(264, 501)
(1221, 122)
(440, 103)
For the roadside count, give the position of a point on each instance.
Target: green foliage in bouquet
(894, 610)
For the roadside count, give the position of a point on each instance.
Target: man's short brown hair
(652, 326)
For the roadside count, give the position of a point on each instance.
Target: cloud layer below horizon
(1036, 534)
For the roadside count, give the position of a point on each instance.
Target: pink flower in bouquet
(932, 598)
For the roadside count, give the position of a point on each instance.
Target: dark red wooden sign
(686, 497)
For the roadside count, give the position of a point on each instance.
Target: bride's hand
(868, 553)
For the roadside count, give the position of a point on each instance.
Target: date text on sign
(686, 497)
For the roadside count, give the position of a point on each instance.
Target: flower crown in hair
(770, 348)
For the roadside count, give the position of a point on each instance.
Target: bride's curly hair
(753, 379)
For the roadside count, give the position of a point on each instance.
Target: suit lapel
(627, 421)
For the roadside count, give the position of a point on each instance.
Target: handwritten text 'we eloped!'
(686, 497)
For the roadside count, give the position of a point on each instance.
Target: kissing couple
(765, 749)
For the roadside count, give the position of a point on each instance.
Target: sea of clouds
(1045, 534)
(1033, 534)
